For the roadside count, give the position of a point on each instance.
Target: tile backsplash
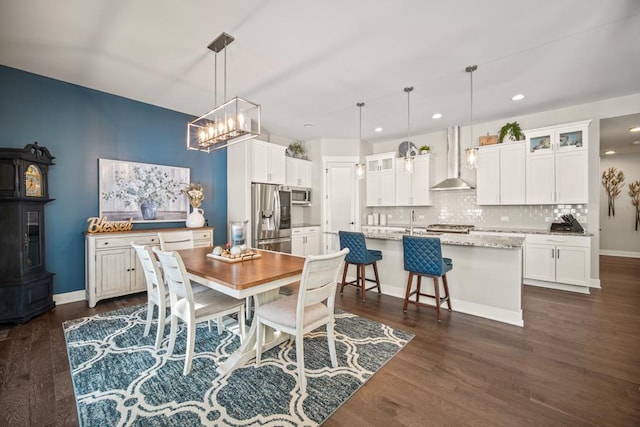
(459, 207)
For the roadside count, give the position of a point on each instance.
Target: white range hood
(453, 181)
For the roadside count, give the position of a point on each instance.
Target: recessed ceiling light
(517, 97)
(436, 116)
(636, 142)
(378, 129)
(609, 152)
(634, 129)
(308, 125)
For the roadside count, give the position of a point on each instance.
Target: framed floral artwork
(142, 191)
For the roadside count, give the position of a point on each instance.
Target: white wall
(618, 235)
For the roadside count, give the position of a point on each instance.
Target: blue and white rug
(121, 380)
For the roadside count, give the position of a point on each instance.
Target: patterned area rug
(121, 380)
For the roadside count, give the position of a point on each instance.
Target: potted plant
(296, 149)
(425, 149)
(511, 131)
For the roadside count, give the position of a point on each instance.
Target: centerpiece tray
(239, 258)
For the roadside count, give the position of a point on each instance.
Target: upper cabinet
(413, 189)
(298, 172)
(268, 162)
(557, 164)
(381, 179)
(501, 174)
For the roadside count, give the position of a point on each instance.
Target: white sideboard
(111, 266)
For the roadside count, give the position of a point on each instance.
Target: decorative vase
(196, 218)
(149, 210)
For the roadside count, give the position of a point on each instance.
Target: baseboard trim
(559, 286)
(625, 254)
(68, 297)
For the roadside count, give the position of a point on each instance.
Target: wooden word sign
(101, 225)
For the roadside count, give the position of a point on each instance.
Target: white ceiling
(311, 61)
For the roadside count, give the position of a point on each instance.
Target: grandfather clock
(26, 288)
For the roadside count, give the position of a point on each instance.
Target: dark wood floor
(576, 362)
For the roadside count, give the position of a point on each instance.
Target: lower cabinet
(556, 261)
(112, 267)
(305, 241)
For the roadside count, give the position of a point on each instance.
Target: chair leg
(419, 288)
(363, 282)
(191, 341)
(241, 322)
(406, 295)
(162, 317)
(259, 340)
(344, 276)
(172, 334)
(300, 360)
(147, 327)
(220, 323)
(375, 271)
(436, 289)
(332, 343)
(446, 290)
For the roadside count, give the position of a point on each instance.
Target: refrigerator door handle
(270, 241)
(276, 209)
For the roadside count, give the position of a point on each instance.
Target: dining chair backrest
(176, 240)
(152, 273)
(319, 280)
(423, 255)
(358, 253)
(176, 277)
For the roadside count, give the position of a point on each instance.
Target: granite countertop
(304, 224)
(530, 231)
(455, 239)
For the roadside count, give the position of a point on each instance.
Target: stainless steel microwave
(301, 196)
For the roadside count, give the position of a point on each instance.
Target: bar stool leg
(344, 276)
(446, 290)
(375, 271)
(363, 282)
(436, 287)
(406, 296)
(418, 290)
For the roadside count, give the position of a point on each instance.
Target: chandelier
(233, 121)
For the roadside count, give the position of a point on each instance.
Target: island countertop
(499, 242)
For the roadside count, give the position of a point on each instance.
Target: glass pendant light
(408, 158)
(360, 165)
(471, 153)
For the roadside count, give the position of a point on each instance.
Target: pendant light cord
(470, 69)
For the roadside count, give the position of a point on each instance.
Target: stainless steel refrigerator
(271, 217)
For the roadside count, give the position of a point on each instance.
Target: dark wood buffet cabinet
(26, 287)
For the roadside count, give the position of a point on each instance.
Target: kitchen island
(486, 279)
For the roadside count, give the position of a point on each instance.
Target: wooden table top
(241, 275)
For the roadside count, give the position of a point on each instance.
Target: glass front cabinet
(26, 287)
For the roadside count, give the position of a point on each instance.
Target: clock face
(33, 181)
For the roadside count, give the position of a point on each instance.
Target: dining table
(259, 277)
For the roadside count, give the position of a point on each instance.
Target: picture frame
(145, 192)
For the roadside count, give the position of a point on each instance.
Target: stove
(450, 228)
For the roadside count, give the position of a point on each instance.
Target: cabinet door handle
(552, 253)
(558, 253)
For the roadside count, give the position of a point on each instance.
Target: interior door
(340, 203)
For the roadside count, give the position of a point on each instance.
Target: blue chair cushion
(358, 252)
(423, 255)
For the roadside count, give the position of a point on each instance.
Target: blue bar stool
(423, 257)
(359, 256)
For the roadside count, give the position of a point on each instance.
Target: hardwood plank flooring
(575, 363)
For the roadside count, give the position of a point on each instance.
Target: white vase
(196, 218)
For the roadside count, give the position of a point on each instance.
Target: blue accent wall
(79, 126)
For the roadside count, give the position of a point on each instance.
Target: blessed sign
(101, 225)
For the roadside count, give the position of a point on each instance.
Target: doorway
(341, 202)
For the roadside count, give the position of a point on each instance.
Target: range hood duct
(453, 181)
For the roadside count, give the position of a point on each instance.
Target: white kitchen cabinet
(298, 172)
(381, 179)
(557, 164)
(501, 174)
(111, 264)
(305, 241)
(268, 162)
(413, 189)
(558, 261)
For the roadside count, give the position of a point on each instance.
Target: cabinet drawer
(559, 240)
(121, 242)
(202, 235)
(297, 231)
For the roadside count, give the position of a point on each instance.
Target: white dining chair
(301, 313)
(193, 308)
(156, 291)
(176, 240)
